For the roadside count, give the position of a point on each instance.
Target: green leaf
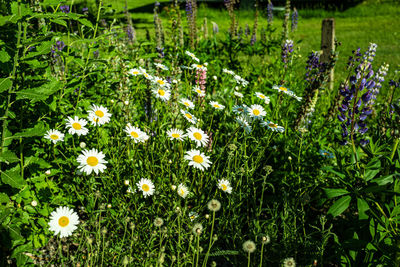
(39, 93)
(13, 178)
(5, 84)
(86, 22)
(384, 179)
(38, 130)
(331, 192)
(372, 169)
(330, 169)
(3, 214)
(60, 22)
(8, 157)
(42, 49)
(4, 56)
(339, 206)
(4, 198)
(362, 206)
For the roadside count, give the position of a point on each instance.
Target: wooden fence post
(328, 44)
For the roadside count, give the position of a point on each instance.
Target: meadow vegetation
(197, 140)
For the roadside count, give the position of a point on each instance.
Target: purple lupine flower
(287, 50)
(189, 9)
(64, 9)
(130, 32)
(58, 46)
(376, 83)
(357, 105)
(160, 51)
(85, 10)
(295, 17)
(247, 30)
(96, 53)
(270, 14)
(253, 39)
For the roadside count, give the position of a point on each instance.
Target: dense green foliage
(282, 179)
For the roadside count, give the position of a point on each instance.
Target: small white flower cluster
(192, 56)
(238, 79)
(285, 90)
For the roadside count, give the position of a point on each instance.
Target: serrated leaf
(8, 157)
(339, 206)
(35, 160)
(13, 178)
(60, 22)
(38, 130)
(4, 56)
(39, 93)
(5, 84)
(332, 192)
(41, 49)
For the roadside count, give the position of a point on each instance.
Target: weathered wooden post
(328, 44)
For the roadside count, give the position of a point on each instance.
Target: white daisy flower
(134, 72)
(240, 109)
(99, 115)
(162, 94)
(91, 160)
(136, 134)
(244, 123)
(161, 66)
(182, 190)
(256, 111)
(187, 103)
(145, 74)
(190, 117)
(199, 92)
(197, 135)
(146, 186)
(273, 126)
(263, 97)
(175, 134)
(197, 159)
(285, 90)
(225, 186)
(192, 56)
(160, 82)
(193, 215)
(76, 126)
(54, 135)
(199, 66)
(64, 221)
(217, 105)
(238, 94)
(228, 71)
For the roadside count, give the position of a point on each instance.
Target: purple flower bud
(363, 130)
(364, 142)
(363, 117)
(362, 84)
(366, 97)
(341, 117)
(370, 73)
(64, 9)
(371, 84)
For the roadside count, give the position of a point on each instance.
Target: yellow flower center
(188, 115)
(182, 192)
(198, 159)
(272, 125)
(99, 113)
(96, 119)
(145, 187)
(216, 106)
(175, 135)
(197, 135)
(54, 136)
(76, 126)
(135, 72)
(262, 96)
(186, 104)
(198, 91)
(224, 187)
(134, 134)
(161, 92)
(256, 112)
(325, 154)
(240, 110)
(160, 82)
(63, 221)
(199, 66)
(282, 88)
(92, 161)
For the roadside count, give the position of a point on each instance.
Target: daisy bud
(207, 216)
(215, 77)
(265, 239)
(82, 145)
(170, 161)
(112, 101)
(126, 102)
(104, 231)
(125, 261)
(34, 203)
(126, 182)
(173, 187)
(289, 158)
(109, 206)
(48, 172)
(177, 210)
(174, 81)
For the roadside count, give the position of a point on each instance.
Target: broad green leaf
(8, 157)
(330, 169)
(339, 206)
(362, 206)
(39, 93)
(35, 160)
(4, 56)
(331, 192)
(41, 49)
(384, 180)
(4, 198)
(372, 169)
(60, 22)
(38, 130)
(4, 213)
(13, 178)
(5, 84)
(4, 19)
(86, 22)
